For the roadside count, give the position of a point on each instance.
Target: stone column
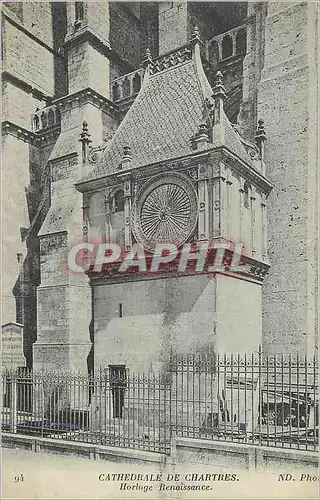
(85, 213)
(253, 198)
(216, 207)
(287, 101)
(241, 205)
(224, 215)
(264, 226)
(252, 66)
(127, 214)
(107, 204)
(228, 204)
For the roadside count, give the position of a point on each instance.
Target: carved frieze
(170, 60)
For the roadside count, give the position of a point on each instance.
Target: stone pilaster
(241, 206)
(127, 213)
(253, 198)
(87, 45)
(203, 219)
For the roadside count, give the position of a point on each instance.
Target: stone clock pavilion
(176, 170)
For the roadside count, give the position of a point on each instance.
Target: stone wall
(124, 33)
(239, 322)
(155, 314)
(240, 456)
(136, 323)
(37, 69)
(15, 177)
(19, 105)
(173, 25)
(149, 33)
(87, 67)
(285, 101)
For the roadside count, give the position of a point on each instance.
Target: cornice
(243, 169)
(251, 270)
(215, 154)
(172, 164)
(38, 139)
(86, 34)
(87, 95)
(9, 128)
(22, 83)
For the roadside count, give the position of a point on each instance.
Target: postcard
(160, 249)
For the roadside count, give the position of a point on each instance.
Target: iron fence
(257, 400)
(269, 401)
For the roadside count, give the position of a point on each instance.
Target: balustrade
(46, 118)
(228, 44)
(126, 85)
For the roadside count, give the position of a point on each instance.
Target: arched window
(136, 83)
(36, 123)
(116, 92)
(79, 11)
(58, 115)
(44, 123)
(246, 195)
(50, 118)
(118, 201)
(227, 47)
(96, 215)
(125, 88)
(214, 53)
(241, 42)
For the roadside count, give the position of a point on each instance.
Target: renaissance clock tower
(178, 173)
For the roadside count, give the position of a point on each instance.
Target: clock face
(165, 211)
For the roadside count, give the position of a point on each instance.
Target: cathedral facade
(187, 125)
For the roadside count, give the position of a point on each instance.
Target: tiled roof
(162, 122)
(233, 143)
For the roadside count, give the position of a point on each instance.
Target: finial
(260, 137)
(126, 158)
(202, 138)
(218, 87)
(147, 60)
(85, 140)
(127, 152)
(203, 128)
(219, 94)
(195, 36)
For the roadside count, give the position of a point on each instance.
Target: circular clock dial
(165, 211)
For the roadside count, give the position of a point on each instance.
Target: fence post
(260, 393)
(14, 405)
(42, 404)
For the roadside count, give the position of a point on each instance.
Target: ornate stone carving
(193, 173)
(95, 153)
(173, 59)
(251, 149)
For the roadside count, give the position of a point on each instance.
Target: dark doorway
(118, 384)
